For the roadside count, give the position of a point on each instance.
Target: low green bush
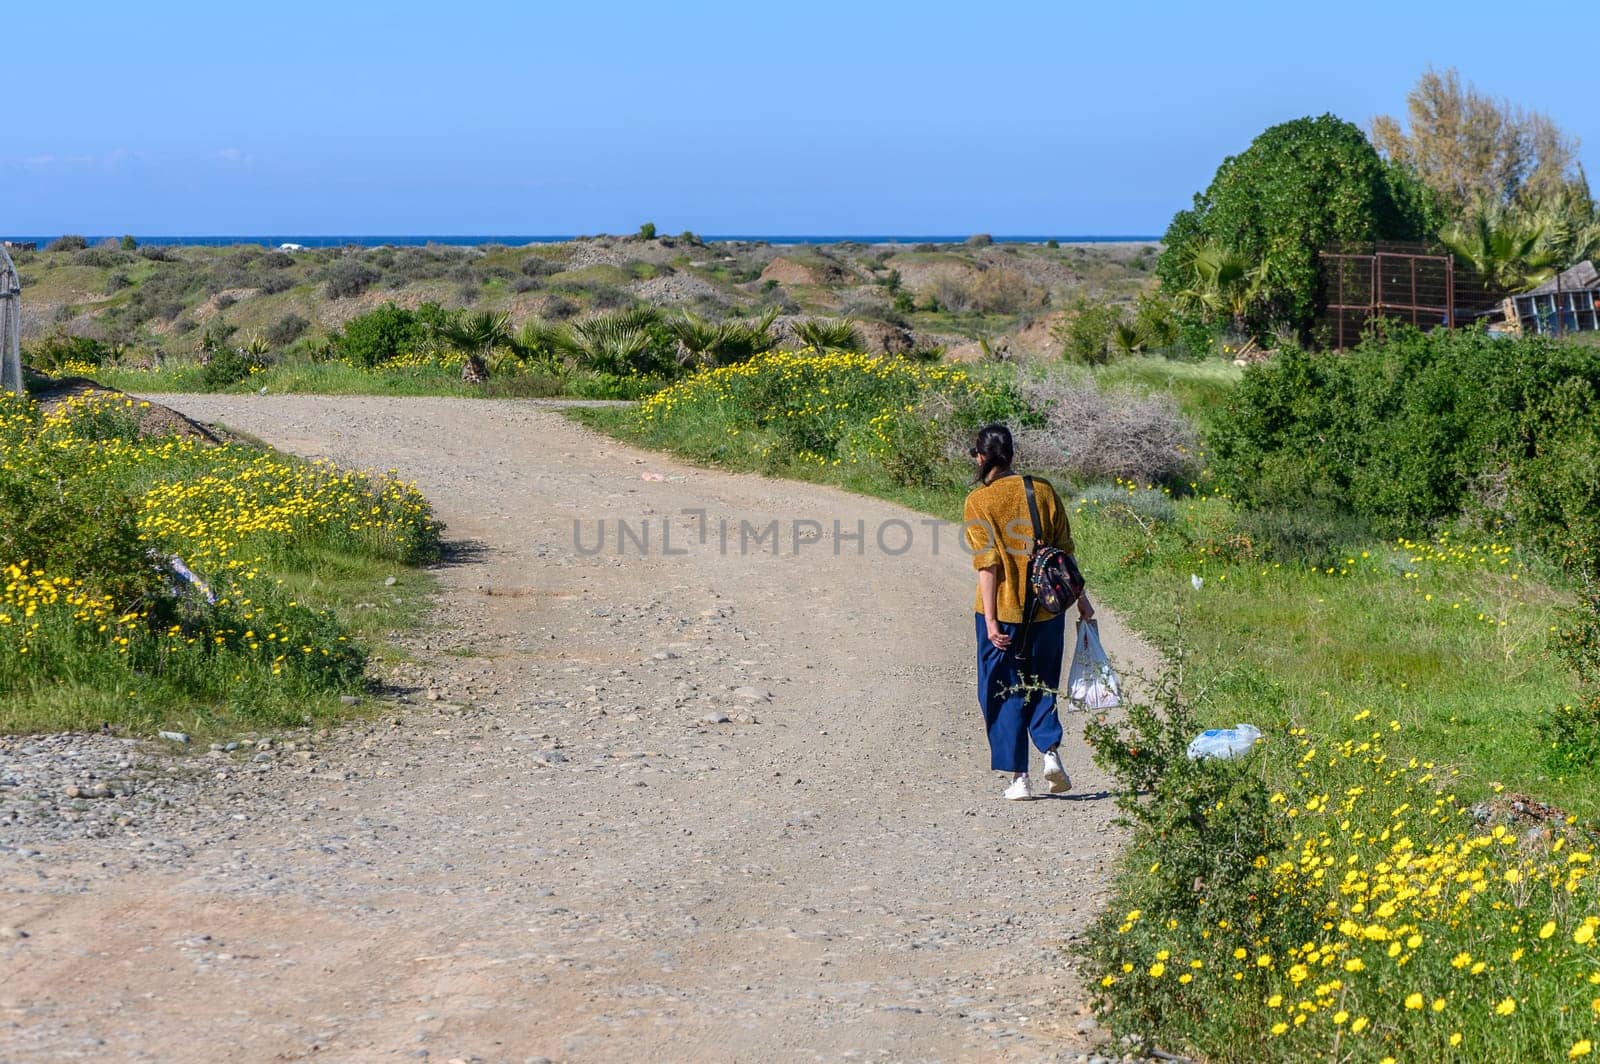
(286, 330)
(810, 411)
(1573, 728)
(913, 446)
(230, 365)
(1086, 336)
(387, 332)
(90, 533)
(1316, 535)
(60, 350)
(1413, 428)
(1207, 823)
(348, 277)
(1125, 504)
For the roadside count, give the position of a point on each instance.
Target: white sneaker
(1056, 780)
(1018, 791)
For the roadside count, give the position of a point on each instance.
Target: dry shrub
(1095, 435)
(950, 292)
(992, 291)
(1002, 291)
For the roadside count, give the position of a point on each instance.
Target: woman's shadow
(1079, 796)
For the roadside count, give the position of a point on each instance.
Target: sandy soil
(705, 806)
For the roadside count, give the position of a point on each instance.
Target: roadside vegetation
(1417, 822)
(168, 582)
(1403, 870)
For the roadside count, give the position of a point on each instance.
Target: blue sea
(517, 241)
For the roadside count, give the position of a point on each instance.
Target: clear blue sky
(815, 117)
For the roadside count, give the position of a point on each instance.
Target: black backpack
(1053, 579)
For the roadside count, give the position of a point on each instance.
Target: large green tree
(1298, 189)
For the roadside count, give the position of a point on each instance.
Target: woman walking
(1000, 537)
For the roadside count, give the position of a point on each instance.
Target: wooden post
(10, 326)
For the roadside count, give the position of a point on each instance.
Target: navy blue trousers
(1011, 716)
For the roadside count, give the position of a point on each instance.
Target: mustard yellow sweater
(999, 532)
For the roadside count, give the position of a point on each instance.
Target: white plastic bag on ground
(1224, 743)
(1092, 683)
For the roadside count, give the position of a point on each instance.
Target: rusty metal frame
(1378, 304)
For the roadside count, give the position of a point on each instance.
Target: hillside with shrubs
(607, 315)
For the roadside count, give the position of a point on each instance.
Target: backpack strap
(1033, 511)
(1029, 606)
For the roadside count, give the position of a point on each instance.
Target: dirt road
(705, 805)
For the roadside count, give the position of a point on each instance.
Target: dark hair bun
(994, 445)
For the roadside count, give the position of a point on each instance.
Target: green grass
(351, 587)
(1199, 388)
(1280, 644)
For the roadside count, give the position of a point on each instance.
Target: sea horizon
(518, 240)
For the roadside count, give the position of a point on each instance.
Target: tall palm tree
(477, 337)
(1571, 225)
(1509, 251)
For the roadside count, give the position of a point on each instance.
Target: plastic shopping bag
(1225, 744)
(1092, 683)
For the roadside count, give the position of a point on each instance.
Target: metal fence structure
(10, 326)
(1419, 286)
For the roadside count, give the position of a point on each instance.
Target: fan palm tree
(723, 343)
(697, 338)
(1221, 281)
(1127, 338)
(742, 340)
(829, 334)
(618, 342)
(544, 345)
(1510, 252)
(477, 337)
